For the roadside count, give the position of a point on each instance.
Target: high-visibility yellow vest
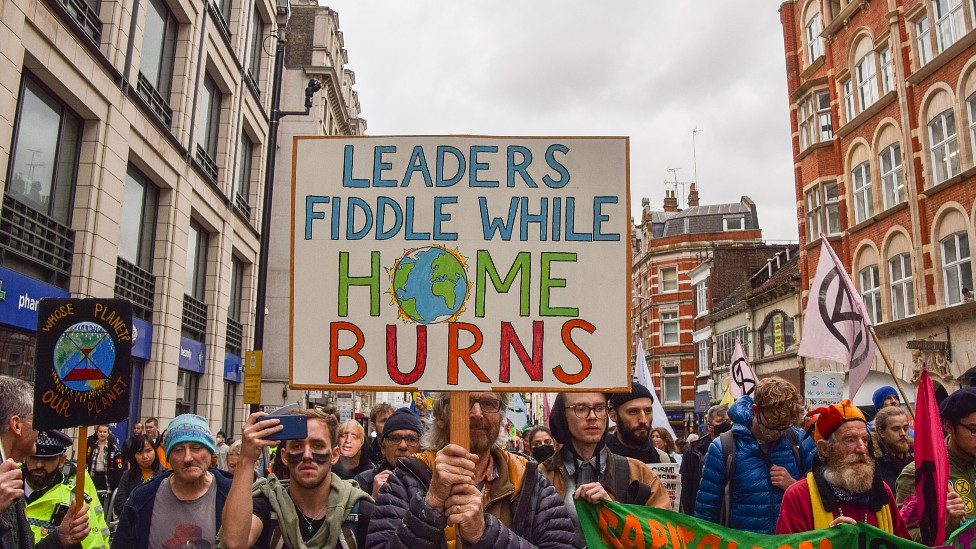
(822, 517)
(41, 510)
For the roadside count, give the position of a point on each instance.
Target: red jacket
(796, 514)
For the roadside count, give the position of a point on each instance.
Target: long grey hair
(435, 438)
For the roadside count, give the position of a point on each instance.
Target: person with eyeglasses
(400, 438)
(490, 498)
(748, 469)
(958, 413)
(585, 468)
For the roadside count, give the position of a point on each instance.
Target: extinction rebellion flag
(835, 324)
(84, 362)
(743, 377)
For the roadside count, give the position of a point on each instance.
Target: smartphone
(294, 427)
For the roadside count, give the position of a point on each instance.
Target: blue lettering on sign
(20, 296)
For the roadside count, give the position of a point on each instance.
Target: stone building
(883, 99)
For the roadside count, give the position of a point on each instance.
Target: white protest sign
(824, 388)
(460, 263)
(668, 473)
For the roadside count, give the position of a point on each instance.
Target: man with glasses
(958, 413)
(748, 468)
(489, 497)
(585, 468)
(633, 414)
(400, 438)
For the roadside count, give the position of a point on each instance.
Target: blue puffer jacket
(755, 501)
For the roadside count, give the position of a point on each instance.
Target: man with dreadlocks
(585, 468)
(844, 486)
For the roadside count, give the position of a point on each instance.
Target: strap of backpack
(795, 446)
(529, 479)
(728, 459)
(621, 479)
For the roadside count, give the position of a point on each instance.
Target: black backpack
(728, 458)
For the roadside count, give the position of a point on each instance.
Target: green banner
(614, 525)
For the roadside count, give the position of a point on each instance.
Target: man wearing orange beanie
(843, 486)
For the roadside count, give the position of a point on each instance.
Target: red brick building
(672, 243)
(883, 97)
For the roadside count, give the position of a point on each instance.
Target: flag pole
(891, 371)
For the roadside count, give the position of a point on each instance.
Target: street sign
(460, 263)
(252, 377)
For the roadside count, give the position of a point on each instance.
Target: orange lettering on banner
(608, 520)
(710, 541)
(454, 354)
(659, 536)
(353, 352)
(585, 363)
(675, 542)
(687, 536)
(57, 403)
(632, 537)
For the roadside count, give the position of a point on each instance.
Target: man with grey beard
(843, 486)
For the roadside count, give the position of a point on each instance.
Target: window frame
(187, 402)
(946, 168)
(866, 75)
(815, 42)
(663, 283)
(893, 179)
(813, 213)
(148, 208)
(923, 40)
(670, 374)
(161, 77)
(669, 318)
(787, 336)
(704, 361)
(949, 24)
(850, 105)
(197, 282)
(861, 188)
(256, 42)
(209, 131)
(962, 263)
(869, 284)
(741, 222)
(701, 297)
(886, 70)
(904, 286)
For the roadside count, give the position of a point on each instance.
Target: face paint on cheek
(317, 457)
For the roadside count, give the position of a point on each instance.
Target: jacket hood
(741, 412)
(560, 429)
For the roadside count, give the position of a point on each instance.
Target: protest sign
(668, 473)
(460, 263)
(615, 525)
(824, 388)
(84, 362)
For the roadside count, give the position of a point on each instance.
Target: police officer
(47, 492)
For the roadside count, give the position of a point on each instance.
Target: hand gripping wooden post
(460, 419)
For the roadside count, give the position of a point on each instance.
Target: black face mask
(544, 452)
(721, 428)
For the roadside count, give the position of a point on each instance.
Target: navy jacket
(134, 523)
(755, 502)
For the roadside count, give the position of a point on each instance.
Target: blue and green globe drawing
(430, 285)
(84, 356)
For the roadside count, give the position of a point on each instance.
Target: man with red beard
(892, 445)
(843, 486)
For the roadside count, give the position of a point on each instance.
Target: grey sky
(648, 69)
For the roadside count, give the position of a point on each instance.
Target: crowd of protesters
(763, 465)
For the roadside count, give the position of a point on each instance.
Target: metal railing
(194, 317)
(235, 336)
(207, 163)
(36, 236)
(136, 285)
(156, 102)
(86, 17)
(240, 202)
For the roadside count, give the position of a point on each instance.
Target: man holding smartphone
(311, 509)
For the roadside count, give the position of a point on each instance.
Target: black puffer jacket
(403, 520)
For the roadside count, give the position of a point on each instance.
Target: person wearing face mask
(716, 423)
(768, 454)
(540, 443)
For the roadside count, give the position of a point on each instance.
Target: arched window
(776, 334)
(812, 27)
(943, 144)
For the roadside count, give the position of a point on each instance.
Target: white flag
(642, 375)
(835, 324)
(742, 378)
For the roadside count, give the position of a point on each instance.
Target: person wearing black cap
(633, 412)
(586, 469)
(48, 491)
(958, 413)
(400, 438)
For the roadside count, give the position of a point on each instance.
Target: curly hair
(780, 397)
(885, 414)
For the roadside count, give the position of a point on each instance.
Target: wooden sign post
(83, 368)
(462, 264)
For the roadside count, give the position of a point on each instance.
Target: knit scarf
(342, 497)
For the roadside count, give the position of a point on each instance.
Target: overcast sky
(651, 70)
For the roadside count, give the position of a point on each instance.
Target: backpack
(728, 458)
(625, 490)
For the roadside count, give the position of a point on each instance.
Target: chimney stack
(670, 201)
(693, 197)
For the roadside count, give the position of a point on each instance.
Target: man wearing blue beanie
(885, 396)
(184, 507)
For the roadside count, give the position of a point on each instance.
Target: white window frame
(869, 279)
(959, 269)
(812, 203)
(815, 44)
(945, 147)
(887, 70)
(971, 110)
(663, 283)
(825, 124)
(671, 382)
(892, 175)
(850, 108)
(831, 208)
(669, 337)
(704, 365)
(701, 297)
(863, 197)
(948, 22)
(807, 118)
(740, 221)
(902, 286)
(924, 41)
(865, 71)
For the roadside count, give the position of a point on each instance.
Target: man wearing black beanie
(400, 438)
(632, 412)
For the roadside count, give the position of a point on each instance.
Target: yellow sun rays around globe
(391, 272)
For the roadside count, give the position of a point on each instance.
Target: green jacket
(41, 506)
(962, 475)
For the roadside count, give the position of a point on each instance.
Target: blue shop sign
(232, 367)
(142, 333)
(701, 401)
(19, 295)
(192, 355)
(676, 416)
